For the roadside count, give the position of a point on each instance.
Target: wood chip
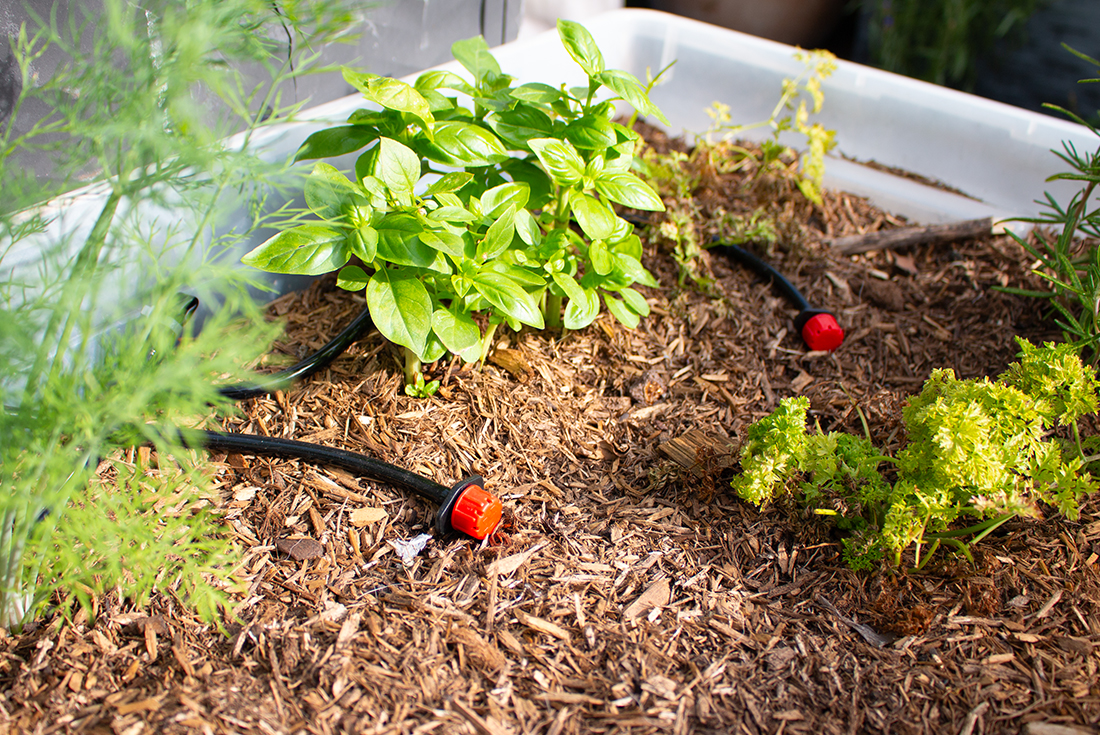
(657, 595)
(366, 516)
(542, 626)
(300, 548)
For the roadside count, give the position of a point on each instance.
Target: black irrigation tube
(465, 507)
(818, 328)
(306, 367)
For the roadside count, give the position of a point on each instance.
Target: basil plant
(463, 204)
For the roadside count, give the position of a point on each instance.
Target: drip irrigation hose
(306, 367)
(464, 507)
(818, 327)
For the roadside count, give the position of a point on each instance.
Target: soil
(625, 592)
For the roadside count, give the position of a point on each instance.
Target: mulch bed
(625, 592)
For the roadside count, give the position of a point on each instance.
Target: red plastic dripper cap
(476, 512)
(821, 332)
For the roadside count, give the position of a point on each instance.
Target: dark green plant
(93, 357)
(979, 453)
(1070, 260)
(456, 210)
(940, 41)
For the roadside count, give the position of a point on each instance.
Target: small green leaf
(595, 218)
(335, 141)
(433, 80)
(581, 46)
(398, 166)
(527, 228)
(620, 311)
(529, 173)
(537, 93)
(308, 250)
(630, 89)
(329, 194)
(508, 296)
(628, 190)
(364, 243)
(444, 241)
(451, 214)
(400, 308)
(459, 333)
(499, 236)
(559, 158)
(600, 257)
(582, 311)
(394, 94)
(450, 182)
(352, 278)
(462, 144)
(521, 125)
(475, 57)
(496, 200)
(635, 301)
(632, 268)
(591, 133)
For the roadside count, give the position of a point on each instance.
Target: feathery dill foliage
(92, 357)
(978, 452)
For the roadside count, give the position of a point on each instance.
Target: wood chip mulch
(626, 593)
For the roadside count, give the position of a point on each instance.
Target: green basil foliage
(979, 453)
(462, 200)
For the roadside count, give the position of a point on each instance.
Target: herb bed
(625, 593)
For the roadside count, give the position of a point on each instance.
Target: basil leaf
(308, 250)
(433, 80)
(628, 190)
(459, 333)
(527, 228)
(499, 236)
(630, 89)
(559, 158)
(595, 218)
(620, 311)
(581, 46)
(591, 133)
(635, 301)
(329, 194)
(631, 268)
(475, 57)
(444, 241)
(582, 311)
(396, 95)
(352, 278)
(521, 124)
(600, 257)
(536, 93)
(364, 243)
(450, 182)
(494, 201)
(335, 142)
(462, 144)
(400, 308)
(398, 166)
(509, 297)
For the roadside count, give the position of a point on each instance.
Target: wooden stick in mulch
(899, 238)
